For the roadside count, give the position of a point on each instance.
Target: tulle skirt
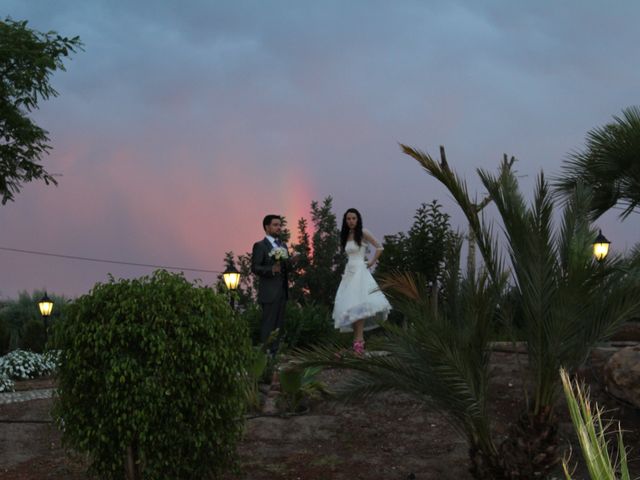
(359, 297)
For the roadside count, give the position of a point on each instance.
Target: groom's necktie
(278, 242)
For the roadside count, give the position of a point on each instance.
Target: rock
(622, 375)
(629, 332)
(508, 347)
(269, 407)
(264, 388)
(601, 354)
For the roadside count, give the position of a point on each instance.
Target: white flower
(279, 253)
(21, 365)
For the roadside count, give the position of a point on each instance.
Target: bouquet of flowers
(279, 253)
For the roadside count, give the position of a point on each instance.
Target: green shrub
(299, 384)
(252, 317)
(308, 325)
(303, 325)
(258, 363)
(151, 378)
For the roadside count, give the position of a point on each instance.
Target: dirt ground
(388, 437)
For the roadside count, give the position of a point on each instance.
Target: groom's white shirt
(272, 240)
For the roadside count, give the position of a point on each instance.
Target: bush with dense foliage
(305, 325)
(308, 325)
(150, 379)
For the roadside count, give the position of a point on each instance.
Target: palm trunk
(471, 254)
(531, 448)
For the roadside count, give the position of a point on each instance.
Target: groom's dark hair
(267, 220)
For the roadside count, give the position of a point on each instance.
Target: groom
(273, 285)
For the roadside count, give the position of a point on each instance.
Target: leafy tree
(610, 165)
(27, 60)
(299, 281)
(424, 248)
(247, 280)
(149, 381)
(396, 255)
(327, 259)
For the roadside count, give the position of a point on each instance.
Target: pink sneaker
(358, 347)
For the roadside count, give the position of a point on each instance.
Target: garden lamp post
(46, 307)
(231, 278)
(601, 247)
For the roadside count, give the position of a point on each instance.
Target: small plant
(257, 365)
(298, 384)
(592, 435)
(23, 365)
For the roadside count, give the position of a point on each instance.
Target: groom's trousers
(272, 318)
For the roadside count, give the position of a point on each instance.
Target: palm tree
(568, 301)
(440, 357)
(610, 164)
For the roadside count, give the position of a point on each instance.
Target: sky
(182, 124)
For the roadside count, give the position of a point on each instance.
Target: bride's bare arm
(371, 240)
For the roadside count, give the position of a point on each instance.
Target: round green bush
(150, 378)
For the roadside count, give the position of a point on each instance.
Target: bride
(359, 303)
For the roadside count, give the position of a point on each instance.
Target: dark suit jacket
(270, 285)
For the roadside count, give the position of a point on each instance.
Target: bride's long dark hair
(344, 231)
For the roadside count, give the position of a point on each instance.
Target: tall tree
(327, 260)
(299, 281)
(610, 165)
(424, 249)
(27, 60)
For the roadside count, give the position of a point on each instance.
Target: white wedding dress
(359, 296)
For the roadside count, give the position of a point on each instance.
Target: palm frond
(441, 361)
(460, 192)
(567, 301)
(592, 434)
(609, 164)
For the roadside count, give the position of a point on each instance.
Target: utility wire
(87, 259)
